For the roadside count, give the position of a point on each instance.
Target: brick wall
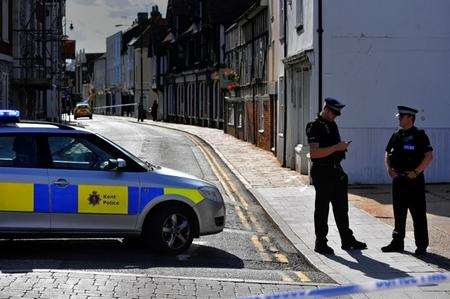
(264, 136)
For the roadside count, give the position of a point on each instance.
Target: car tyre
(90, 117)
(169, 231)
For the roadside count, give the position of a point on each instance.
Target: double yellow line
(242, 209)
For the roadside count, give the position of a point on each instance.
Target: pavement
(289, 201)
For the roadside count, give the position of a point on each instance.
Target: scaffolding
(38, 57)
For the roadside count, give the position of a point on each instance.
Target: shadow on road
(26, 255)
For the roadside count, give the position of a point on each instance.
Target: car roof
(41, 127)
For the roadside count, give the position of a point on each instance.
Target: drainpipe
(285, 85)
(255, 125)
(320, 32)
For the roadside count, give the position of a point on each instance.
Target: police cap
(334, 105)
(406, 110)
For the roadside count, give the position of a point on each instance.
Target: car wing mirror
(115, 164)
(121, 164)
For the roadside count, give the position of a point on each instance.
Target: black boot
(323, 248)
(421, 251)
(394, 246)
(353, 245)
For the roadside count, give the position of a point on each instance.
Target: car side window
(76, 153)
(18, 151)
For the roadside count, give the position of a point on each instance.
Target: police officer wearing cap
(329, 179)
(408, 154)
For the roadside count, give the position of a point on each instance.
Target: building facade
(377, 57)
(6, 58)
(250, 108)
(114, 72)
(100, 83)
(38, 64)
(195, 58)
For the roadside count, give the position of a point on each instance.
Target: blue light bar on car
(9, 116)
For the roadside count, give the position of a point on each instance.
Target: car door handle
(61, 183)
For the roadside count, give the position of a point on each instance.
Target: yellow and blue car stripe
(84, 199)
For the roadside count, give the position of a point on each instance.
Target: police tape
(379, 285)
(114, 106)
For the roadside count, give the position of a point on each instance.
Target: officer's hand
(411, 175)
(392, 173)
(341, 146)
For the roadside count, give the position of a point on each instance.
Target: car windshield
(147, 165)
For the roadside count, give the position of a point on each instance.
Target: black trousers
(331, 184)
(409, 195)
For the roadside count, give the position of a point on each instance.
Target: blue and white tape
(380, 285)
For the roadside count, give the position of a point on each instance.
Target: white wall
(100, 74)
(380, 54)
(299, 41)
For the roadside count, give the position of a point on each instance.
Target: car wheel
(169, 231)
(75, 117)
(90, 117)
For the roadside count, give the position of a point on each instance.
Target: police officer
(408, 154)
(329, 179)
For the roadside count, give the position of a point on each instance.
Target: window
(282, 101)
(4, 88)
(76, 153)
(18, 151)
(282, 23)
(299, 15)
(260, 115)
(231, 115)
(240, 122)
(5, 20)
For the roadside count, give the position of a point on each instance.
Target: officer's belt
(327, 164)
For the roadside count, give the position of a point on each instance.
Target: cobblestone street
(62, 284)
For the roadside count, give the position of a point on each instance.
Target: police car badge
(94, 198)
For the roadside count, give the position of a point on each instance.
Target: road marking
(255, 222)
(262, 252)
(214, 169)
(242, 218)
(302, 276)
(280, 257)
(228, 184)
(223, 177)
(285, 277)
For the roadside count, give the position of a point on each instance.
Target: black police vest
(407, 151)
(328, 134)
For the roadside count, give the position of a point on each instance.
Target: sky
(94, 20)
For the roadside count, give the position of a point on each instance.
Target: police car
(61, 181)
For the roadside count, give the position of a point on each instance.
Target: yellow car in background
(82, 110)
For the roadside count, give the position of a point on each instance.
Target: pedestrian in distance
(408, 154)
(329, 179)
(141, 112)
(154, 111)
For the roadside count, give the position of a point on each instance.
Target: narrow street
(250, 251)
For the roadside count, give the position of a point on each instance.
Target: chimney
(142, 17)
(155, 12)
